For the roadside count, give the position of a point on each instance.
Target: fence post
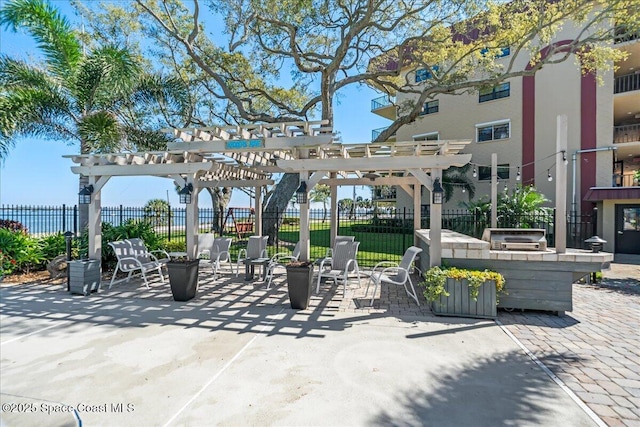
(404, 222)
(75, 220)
(169, 222)
(64, 216)
(121, 215)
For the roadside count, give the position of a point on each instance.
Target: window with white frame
(484, 172)
(493, 131)
(431, 136)
(430, 107)
(423, 74)
(501, 91)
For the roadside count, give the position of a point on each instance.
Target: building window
(501, 91)
(431, 136)
(493, 131)
(430, 107)
(423, 74)
(484, 172)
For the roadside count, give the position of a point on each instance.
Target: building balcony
(627, 83)
(376, 133)
(627, 179)
(622, 36)
(384, 106)
(627, 133)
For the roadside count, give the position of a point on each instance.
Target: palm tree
(455, 177)
(93, 98)
(157, 211)
(321, 193)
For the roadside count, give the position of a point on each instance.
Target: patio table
(249, 267)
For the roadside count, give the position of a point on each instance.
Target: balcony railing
(622, 35)
(382, 194)
(625, 180)
(627, 83)
(376, 133)
(627, 133)
(381, 102)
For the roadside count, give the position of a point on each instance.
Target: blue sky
(35, 173)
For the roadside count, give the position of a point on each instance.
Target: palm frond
(52, 32)
(101, 132)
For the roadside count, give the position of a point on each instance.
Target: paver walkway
(595, 349)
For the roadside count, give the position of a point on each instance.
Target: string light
(475, 172)
(464, 190)
(506, 187)
(518, 176)
(564, 158)
(549, 177)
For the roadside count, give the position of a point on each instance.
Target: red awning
(596, 194)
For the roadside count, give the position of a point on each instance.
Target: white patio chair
(219, 252)
(141, 252)
(256, 248)
(337, 240)
(340, 265)
(279, 260)
(395, 274)
(205, 243)
(129, 262)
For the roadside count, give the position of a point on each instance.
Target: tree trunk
(220, 198)
(277, 203)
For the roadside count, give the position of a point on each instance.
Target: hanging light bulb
(564, 158)
(549, 177)
(464, 190)
(506, 187)
(475, 172)
(518, 176)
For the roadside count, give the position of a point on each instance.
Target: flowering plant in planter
(435, 279)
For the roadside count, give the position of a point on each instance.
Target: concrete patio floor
(237, 354)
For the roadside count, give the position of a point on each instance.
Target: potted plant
(183, 277)
(84, 276)
(462, 292)
(299, 283)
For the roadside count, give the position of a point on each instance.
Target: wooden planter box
(183, 278)
(459, 303)
(84, 276)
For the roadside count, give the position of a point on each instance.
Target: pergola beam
(375, 163)
(163, 169)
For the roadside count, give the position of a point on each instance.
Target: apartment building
(517, 120)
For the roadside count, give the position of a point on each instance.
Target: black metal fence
(384, 233)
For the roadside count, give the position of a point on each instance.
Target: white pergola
(248, 156)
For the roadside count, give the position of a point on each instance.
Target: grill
(515, 239)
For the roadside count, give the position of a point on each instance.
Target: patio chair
(141, 252)
(219, 252)
(256, 248)
(340, 265)
(279, 260)
(395, 274)
(205, 243)
(129, 262)
(337, 240)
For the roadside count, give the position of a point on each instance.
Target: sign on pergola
(249, 155)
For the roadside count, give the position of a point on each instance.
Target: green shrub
(173, 245)
(52, 246)
(20, 252)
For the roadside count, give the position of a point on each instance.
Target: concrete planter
(459, 303)
(299, 284)
(183, 279)
(84, 276)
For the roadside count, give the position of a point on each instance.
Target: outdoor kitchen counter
(457, 245)
(535, 280)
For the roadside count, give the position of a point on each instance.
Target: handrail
(381, 102)
(627, 83)
(626, 133)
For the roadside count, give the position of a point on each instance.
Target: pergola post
(561, 184)
(334, 210)
(304, 224)
(435, 226)
(191, 222)
(494, 190)
(258, 209)
(95, 221)
(417, 211)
